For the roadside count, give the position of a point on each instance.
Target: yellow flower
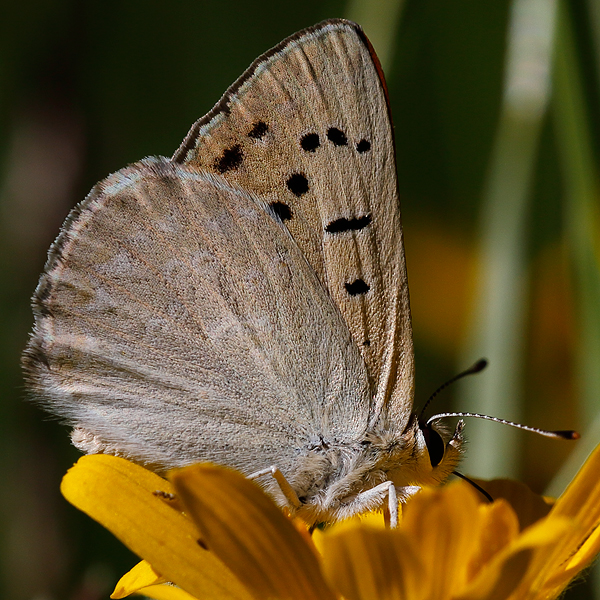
(214, 534)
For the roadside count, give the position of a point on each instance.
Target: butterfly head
(428, 454)
(443, 447)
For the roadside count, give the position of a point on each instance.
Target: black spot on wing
(337, 136)
(258, 131)
(297, 184)
(310, 142)
(230, 160)
(282, 210)
(363, 146)
(356, 224)
(357, 287)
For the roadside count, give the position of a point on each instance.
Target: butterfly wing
(307, 127)
(173, 301)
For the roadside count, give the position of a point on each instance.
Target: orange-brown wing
(307, 127)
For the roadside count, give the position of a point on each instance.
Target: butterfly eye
(435, 445)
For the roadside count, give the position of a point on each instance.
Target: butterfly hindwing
(178, 321)
(307, 128)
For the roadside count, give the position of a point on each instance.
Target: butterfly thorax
(332, 479)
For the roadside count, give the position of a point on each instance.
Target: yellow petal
(587, 552)
(513, 567)
(374, 519)
(444, 524)
(557, 576)
(581, 499)
(142, 575)
(246, 529)
(529, 506)
(543, 566)
(167, 592)
(121, 496)
(366, 563)
(500, 578)
(499, 527)
(577, 548)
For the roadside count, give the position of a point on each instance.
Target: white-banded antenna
(566, 434)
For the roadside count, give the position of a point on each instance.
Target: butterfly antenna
(565, 434)
(479, 366)
(477, 487)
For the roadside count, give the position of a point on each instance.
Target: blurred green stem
(581, 209)
(593, 8)
(500, 308)
(379, 19)
(573, 128)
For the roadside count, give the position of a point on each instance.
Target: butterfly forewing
(171, 299)
(307, 128)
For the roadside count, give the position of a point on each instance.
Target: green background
(495, 106)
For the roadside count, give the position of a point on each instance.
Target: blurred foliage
(87, 87)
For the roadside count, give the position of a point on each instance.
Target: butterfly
(246, 301)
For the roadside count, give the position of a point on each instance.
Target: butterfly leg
(287, 490)
(379, 492)
(393, 493)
